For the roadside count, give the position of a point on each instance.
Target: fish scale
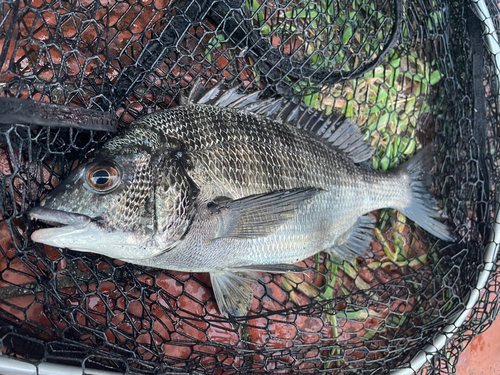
(233, 185)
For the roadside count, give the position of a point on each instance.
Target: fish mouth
(65, 227)
(83, 233)
(59, 218)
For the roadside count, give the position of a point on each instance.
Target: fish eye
(102, 178)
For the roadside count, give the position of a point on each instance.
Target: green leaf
(375, 109)
(410, 104)
(382, 122)
(349, 270)
(424, 88)
(349, 112)
(398, 242)
(395, 61)
(328, 293)
(384, 164)
(379, 72)
(415, 76)
(286, 284)
(311, 100)
(382, 97)
(313, 13)
(435, 77)
(410, 148)
(393, 76)
(265, 30)
(391, 254)
(346, 36)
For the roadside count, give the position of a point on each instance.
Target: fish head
(119, 204)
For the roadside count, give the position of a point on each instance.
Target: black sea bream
(229, 184)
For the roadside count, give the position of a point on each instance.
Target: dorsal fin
(335, 130)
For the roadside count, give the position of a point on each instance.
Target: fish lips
(57, 217)
(65, 223)
(82, 233)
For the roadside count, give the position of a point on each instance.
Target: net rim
(9, 365)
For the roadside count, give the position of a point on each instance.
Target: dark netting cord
(408, 72)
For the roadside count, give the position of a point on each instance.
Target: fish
(232, 184)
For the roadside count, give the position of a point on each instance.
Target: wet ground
(482, 356)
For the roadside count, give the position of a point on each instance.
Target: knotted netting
(408, 73)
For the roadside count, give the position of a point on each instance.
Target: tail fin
(423, 208)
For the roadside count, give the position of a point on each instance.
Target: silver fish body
(230, 185)
(260, 156)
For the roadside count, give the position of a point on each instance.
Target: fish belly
(322, 224)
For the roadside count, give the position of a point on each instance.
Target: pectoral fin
(258, 215)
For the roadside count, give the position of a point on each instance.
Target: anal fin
(232, 292)
(358, 239)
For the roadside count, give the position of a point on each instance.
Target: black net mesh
(408, 72)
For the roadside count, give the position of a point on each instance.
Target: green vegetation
(331, 35)
(215, 43)
(387, 104)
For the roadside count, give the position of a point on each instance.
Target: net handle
(37, 113)
(480, 9)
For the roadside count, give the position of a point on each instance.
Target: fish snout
(58, 217)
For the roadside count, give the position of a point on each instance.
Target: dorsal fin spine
(304, 119)
(293, 114)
